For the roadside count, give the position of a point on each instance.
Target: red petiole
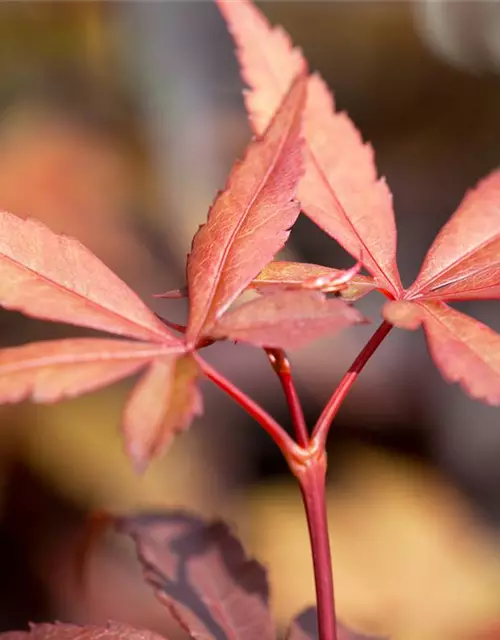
(320, 432)
(307, 459)
(281, 365)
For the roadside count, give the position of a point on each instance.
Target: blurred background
(119, 123)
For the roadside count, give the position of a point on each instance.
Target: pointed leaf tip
(340, 191)
(463, 262)
(162, 404)
(250, 220)
(54, 277)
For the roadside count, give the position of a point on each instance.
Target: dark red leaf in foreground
(465, 350)
(59, 631)
(340, 191)
(249, 221)
(464, 260)
(279, 275)
(286, 320)
(305, 627)
(54, 277)
(202, 574)
(163, 403)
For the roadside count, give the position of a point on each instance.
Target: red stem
(289, 448)
(324, 422)
(281, 366)
(312, 478)
(307, 460)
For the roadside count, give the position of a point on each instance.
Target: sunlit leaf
(249, 221)
(340, 191)
(55, 369)
(464, 260)
(54, 277)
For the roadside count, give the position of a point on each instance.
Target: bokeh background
(119, 121)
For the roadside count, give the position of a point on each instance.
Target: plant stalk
(281, 365)
(320, 432)
(312, 480)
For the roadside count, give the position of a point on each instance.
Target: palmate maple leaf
(463, 263)
(340, 192)
(247, 225)
(55, 278)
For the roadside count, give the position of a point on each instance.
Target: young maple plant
(307, 157)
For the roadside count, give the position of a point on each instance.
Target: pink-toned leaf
(280, 275)
(250, 220)
(465, 350)
(286, 320)
(464, 260)
(305, 627)
(54, 277)
(163, 403)
(340, 191)
(60, 631)
(201, 573)
(55, 369)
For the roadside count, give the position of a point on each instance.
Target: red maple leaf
(54, 277)
(341, 194)
(340, 191)
(462, 264)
